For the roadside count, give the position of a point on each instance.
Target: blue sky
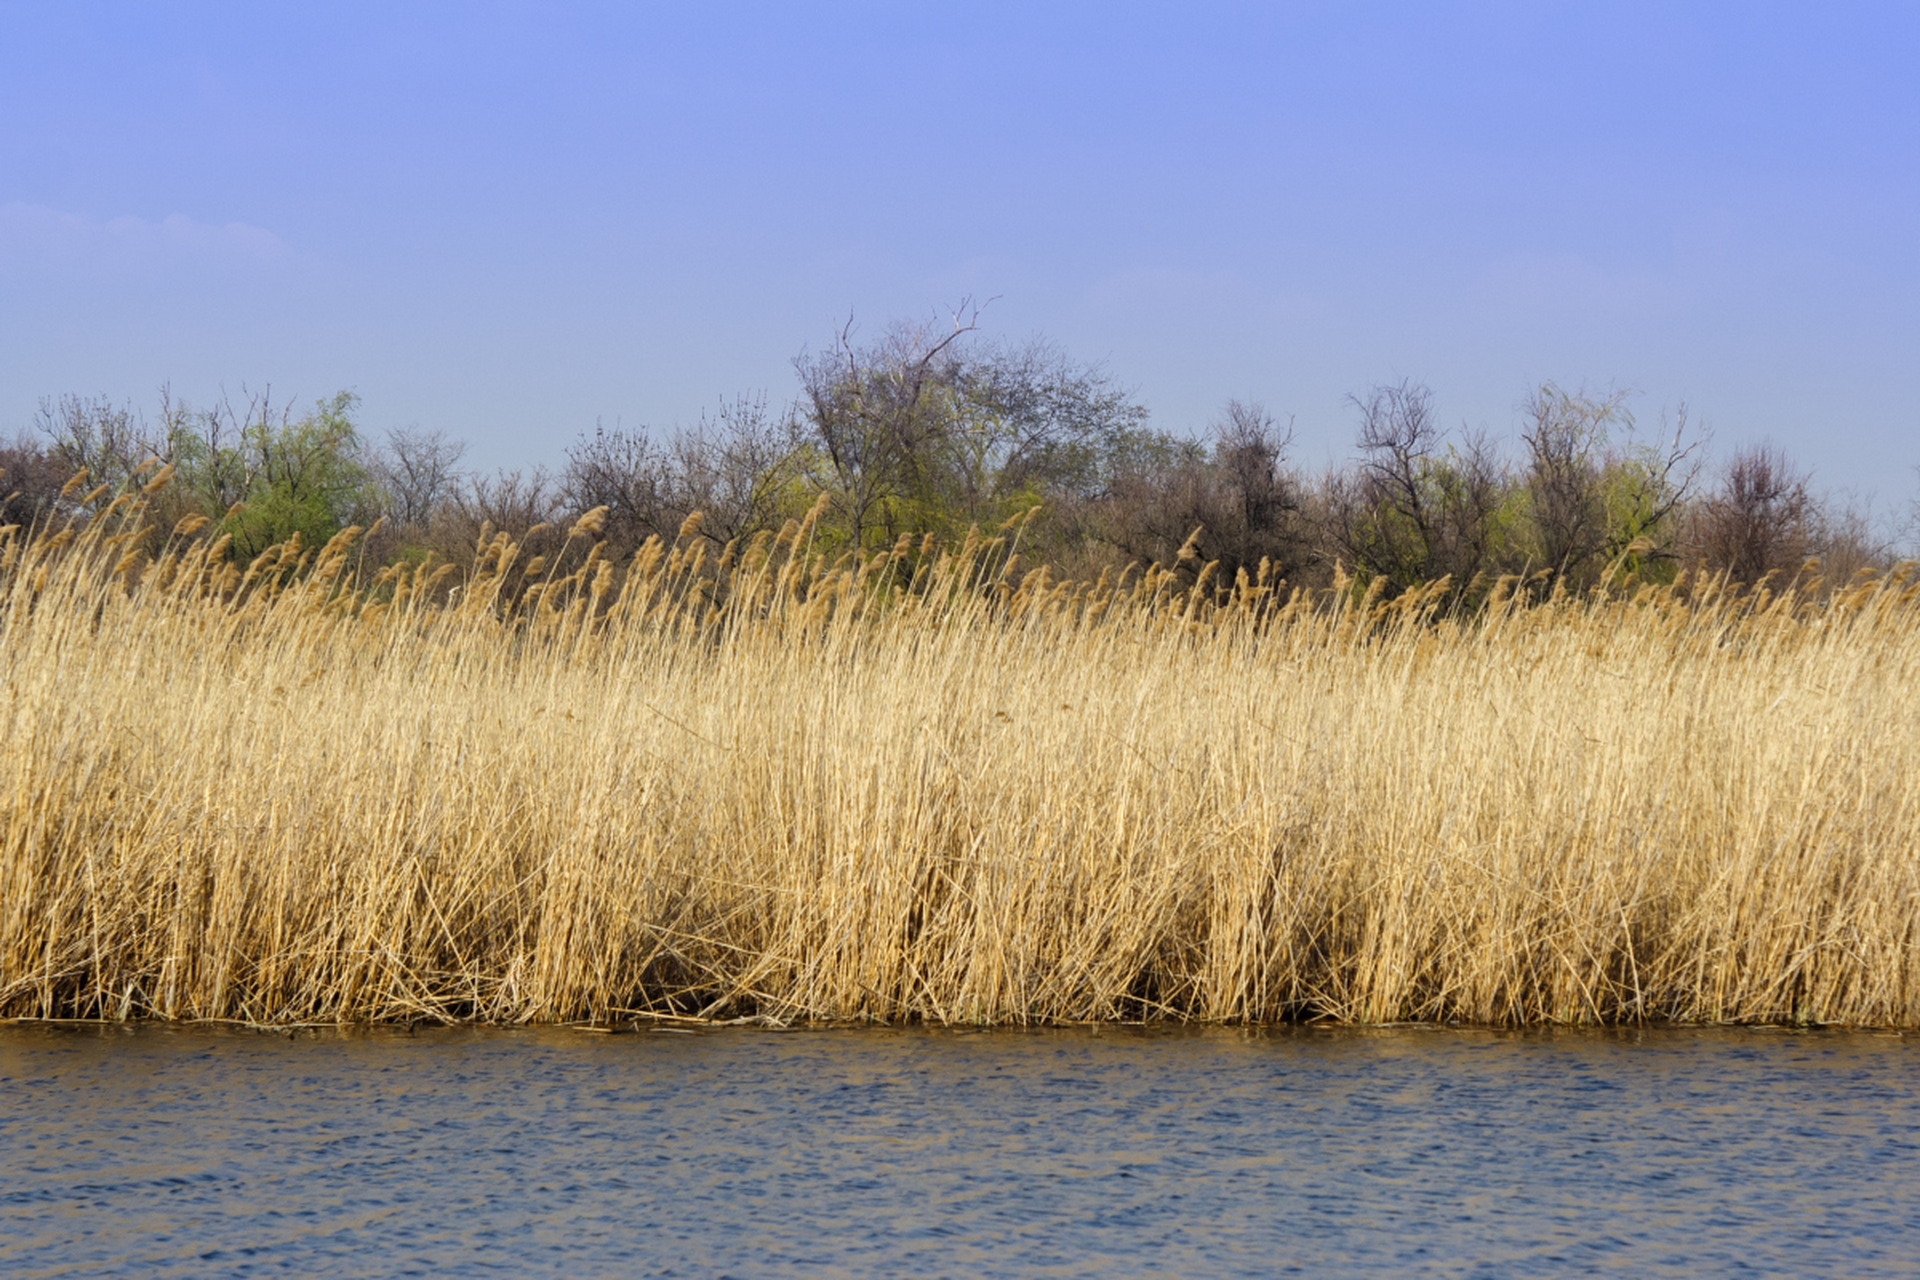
(509, 221)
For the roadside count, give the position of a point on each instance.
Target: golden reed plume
(917, 785)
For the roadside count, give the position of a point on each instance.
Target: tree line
(933, 430)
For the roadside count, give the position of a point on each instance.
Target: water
(159, 1151)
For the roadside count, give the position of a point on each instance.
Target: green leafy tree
(309, 477)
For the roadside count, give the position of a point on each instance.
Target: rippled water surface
(166, 1151)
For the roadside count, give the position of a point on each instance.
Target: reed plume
(929, 787)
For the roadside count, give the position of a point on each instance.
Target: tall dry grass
(902, 789)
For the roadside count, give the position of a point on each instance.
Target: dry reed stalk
(912, 787)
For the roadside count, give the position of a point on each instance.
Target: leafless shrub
(922, 432)
(1760, 519)
(1909, 529)
(1235, 492)
(737, 468)
(417, 471)
(523, 505)
(874, 410)
(31, 477)
(107, 441)
(1412, 511)
(1846, 537)
(1566, 436)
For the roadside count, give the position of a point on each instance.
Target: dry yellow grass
(776, 787)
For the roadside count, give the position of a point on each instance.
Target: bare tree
(627, 474)
(736, 468)
(1566, 438)
(1412, 511)
(510, 501)
(212, 446)
(874, 411)
(1151, 487)
(521, 504)
(1650, 487)
(1233, 489)
(1847, 537)
(1910, 527)
(1760, 518)
(1028, 421)
(217, 451)
(930, 430)
(107, 441)
(417, 471)
(1398, 435)
(31, 478)
(1249, 447)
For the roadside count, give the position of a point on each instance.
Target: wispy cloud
(33, 235)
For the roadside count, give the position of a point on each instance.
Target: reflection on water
(165, 1151)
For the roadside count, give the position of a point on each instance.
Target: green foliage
(1640, 496)
(261, 472)
(308, 478)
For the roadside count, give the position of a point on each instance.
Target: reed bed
(902, 787)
